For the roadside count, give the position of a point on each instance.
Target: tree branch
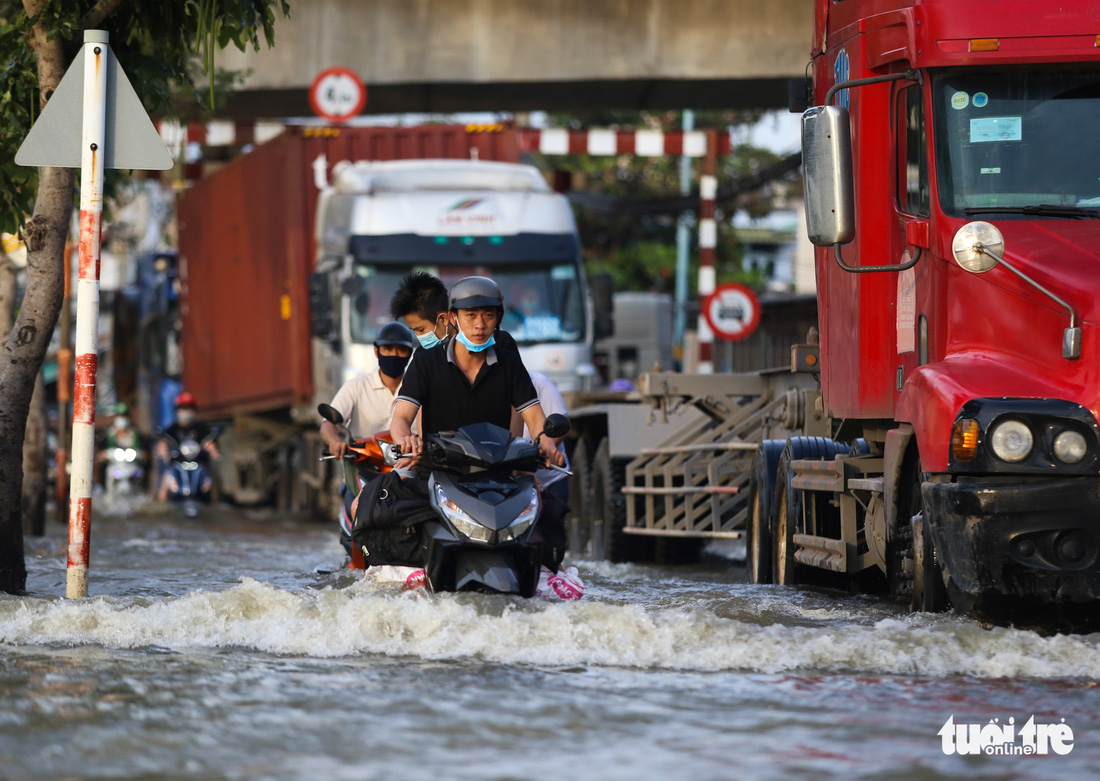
(98, 13)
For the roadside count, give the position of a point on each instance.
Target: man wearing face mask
(421, 301)
(467, 380)
(366, 401)
(186, 427)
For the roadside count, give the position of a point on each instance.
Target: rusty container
(246, 250)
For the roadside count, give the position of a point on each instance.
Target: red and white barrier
(644, 143)
(707, 144)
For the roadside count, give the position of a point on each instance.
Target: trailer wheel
(607, 511)
(580, 487)
(788, 519)
(761, 499)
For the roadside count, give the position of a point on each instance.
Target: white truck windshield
(542, 302)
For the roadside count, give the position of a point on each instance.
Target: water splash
(743, 633)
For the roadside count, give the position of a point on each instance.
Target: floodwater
(214, 648)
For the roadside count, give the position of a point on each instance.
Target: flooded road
(218, 648)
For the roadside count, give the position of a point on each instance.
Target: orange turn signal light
(984, 44)
(964, 439)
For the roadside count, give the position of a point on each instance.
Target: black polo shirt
(449, 401)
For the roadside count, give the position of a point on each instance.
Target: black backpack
(388, 519)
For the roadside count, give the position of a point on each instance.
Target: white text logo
(996, 738)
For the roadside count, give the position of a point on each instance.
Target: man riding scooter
(366, 404)
(187, 433)
(466, 381)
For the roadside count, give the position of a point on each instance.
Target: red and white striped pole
(92, 159)
(708, 240)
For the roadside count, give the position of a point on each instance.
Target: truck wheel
(758, 540)
(788, 518)
(577, 522)
(608, 511)
(929, 592)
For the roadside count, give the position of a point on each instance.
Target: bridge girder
(522, 55)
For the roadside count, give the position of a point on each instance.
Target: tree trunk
(25, 348)
(35, 464)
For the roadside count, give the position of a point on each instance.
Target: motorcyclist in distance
(186, 426)
(121, 434)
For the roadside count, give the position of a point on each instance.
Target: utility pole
(683, 246)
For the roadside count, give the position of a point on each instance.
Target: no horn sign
(337, 94)
(732, 311)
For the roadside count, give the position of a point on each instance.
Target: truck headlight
(1011, 441)
(522, 523)
(461, 519)
(1070, 447)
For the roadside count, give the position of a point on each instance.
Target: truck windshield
(542, 302)
(1020, 141)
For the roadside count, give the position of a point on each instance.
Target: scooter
(123, 474)
(485, 535)
(189, 479)
(363, 460)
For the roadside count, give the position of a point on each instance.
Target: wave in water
(372, 618)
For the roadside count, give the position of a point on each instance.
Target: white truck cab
(378, 221)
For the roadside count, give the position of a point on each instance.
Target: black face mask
(393, 365)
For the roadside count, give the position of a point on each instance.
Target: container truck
(946, 448)
(289, 255)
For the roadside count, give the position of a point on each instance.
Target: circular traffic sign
(732, 311)
(337, 94)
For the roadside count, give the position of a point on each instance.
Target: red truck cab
(953, 189)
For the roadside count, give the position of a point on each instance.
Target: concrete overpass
(522, 55)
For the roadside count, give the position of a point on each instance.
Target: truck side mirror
(603, 302)
(322, 321)
(827, 175)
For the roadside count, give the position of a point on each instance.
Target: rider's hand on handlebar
(551, 452)
(338, 448)
(410, 448)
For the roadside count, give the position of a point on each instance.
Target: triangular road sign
(130, 140)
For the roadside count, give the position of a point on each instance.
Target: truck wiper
(1042, 210)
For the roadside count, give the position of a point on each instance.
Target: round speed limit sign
(337, 94)
(732, 311)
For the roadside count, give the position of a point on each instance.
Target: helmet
(474, 292)
(121, 408)
(395, 333)
(185, 399)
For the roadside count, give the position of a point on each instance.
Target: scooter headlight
(129, 454)
(523, 521)
(118, 454)
(461, 519)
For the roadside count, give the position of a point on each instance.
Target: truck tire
(788, 519)
(607, 511)
(929, 591)
(921, 573)
(578, 526)
(761, 503)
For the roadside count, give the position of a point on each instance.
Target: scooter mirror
(331, 414)
(556, 426)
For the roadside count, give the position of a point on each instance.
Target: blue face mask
(428, 340)
(475, 348)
